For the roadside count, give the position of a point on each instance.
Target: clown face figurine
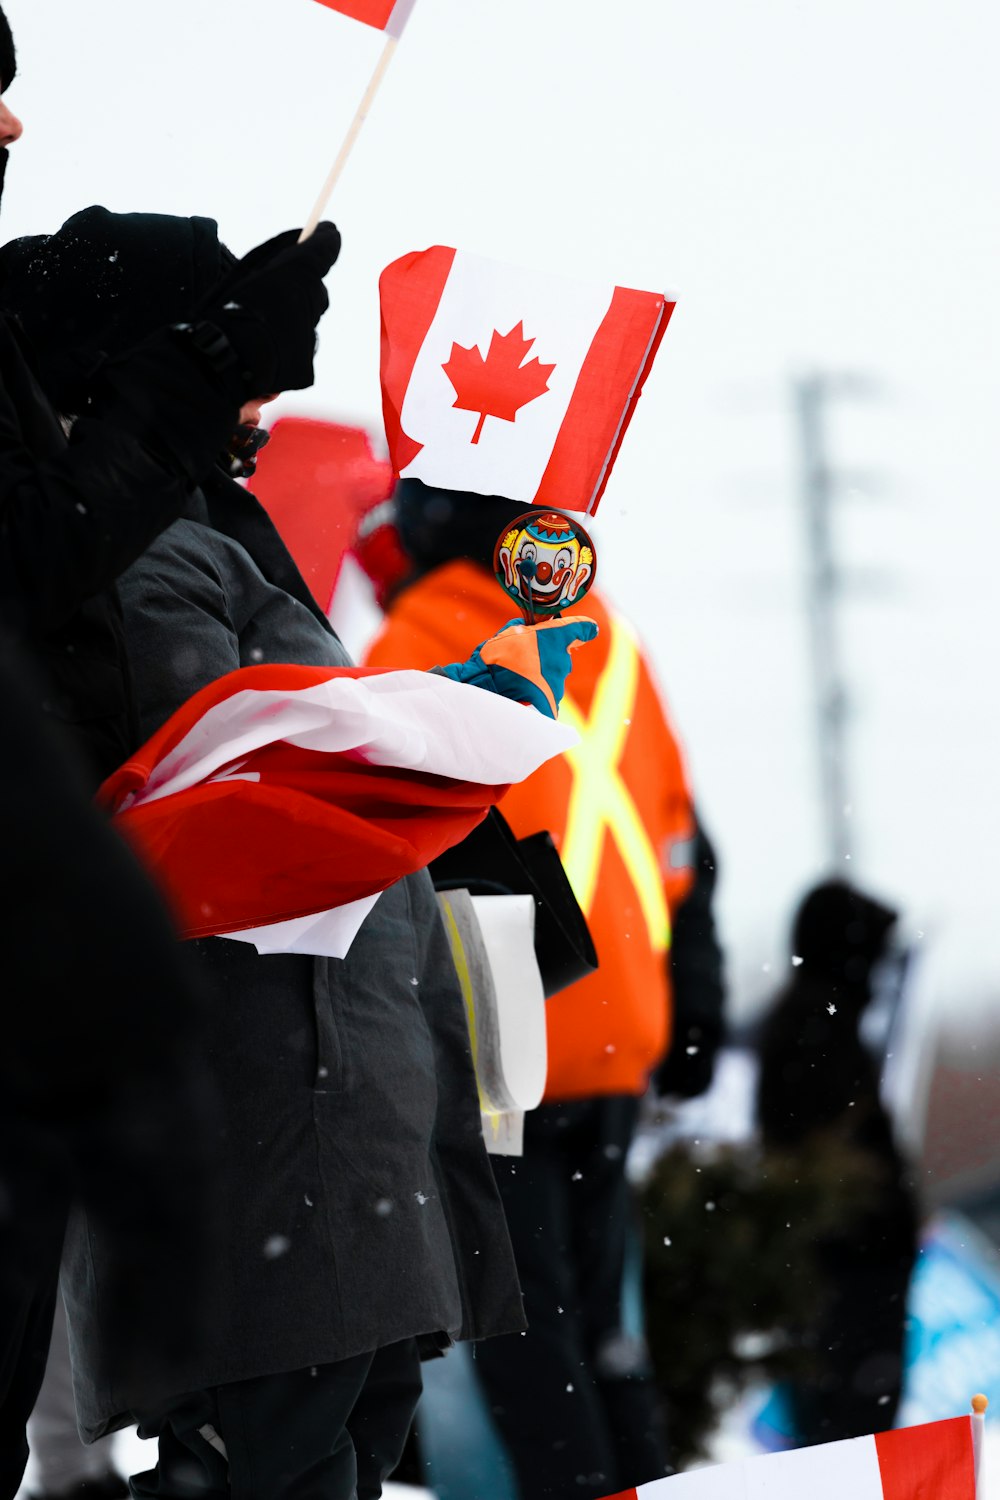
(544, 562)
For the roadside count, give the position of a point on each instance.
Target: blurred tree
(730, 1243)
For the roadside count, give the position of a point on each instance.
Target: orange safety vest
(618, 806)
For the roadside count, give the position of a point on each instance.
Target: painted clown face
(545, 562)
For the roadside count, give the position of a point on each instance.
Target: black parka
(358, 1200)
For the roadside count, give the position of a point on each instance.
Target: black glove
(268, 307)
(687, 1069)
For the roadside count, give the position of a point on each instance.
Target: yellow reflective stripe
(600, 801)
(465, 983)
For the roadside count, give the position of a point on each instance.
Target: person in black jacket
(100, 1102)
(166, 403)
(362, 1222)
(819, 1084)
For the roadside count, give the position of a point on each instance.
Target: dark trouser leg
(559, 1399)
(382, 1414)
(278, 1437)
(287, 1437)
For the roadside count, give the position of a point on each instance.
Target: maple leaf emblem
(499, 385)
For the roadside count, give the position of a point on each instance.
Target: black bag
(490, 861)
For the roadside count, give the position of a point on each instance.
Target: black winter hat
(840, 934)
(436, 526)
(101, 284)
(8, 59)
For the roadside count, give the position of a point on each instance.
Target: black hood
(101, 284)
(840, 934)
(8, 59)
(8, 67)
(436, 526)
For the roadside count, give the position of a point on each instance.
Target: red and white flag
(389, 16)
(279, 801)
(932, 1462)
(511, 382)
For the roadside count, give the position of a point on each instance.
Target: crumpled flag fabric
(279, 795)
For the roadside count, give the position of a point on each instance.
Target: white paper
(507, 924)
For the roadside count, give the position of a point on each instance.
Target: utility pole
(824, 587)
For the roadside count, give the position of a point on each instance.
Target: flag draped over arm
(283, 793)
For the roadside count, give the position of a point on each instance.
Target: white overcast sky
(819, 183)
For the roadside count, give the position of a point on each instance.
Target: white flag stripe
(832, 1471)
(416, 721)
(324, 934)
(482, 297)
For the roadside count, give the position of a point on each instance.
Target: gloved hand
(529, 663)
(268, 307)
(253, 334)
(688, 1068)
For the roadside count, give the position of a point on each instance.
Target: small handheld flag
(389, 17)
(511, 382)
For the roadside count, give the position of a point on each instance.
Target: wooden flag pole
(979, 1405)
(391, 42)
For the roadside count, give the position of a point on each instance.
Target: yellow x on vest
(600, 802)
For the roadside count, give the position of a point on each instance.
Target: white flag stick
(979, 1405)
(391, 42)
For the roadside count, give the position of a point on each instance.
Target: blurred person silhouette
(101, 1102)
(99, 1098)
(66, 1468)
(818, 1083)
(362, 1226)
(574, 1399)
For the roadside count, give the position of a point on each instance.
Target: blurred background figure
(573, 1399)
(65, 1467)
(819, 1085)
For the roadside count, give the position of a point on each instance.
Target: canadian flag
(279, 801)
(389, 16)
(511, 382)
(932, 1462)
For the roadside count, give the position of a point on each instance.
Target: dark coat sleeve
(179, 623)
(74, 516)
(698, 980)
